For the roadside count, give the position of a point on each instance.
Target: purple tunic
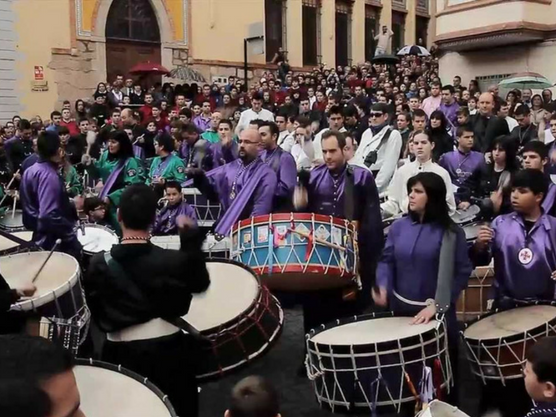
(327, 196)
(450, 112)
(465, 171)
(283, 164)
(523, 262)
(410, 261)
(47, 210)
(243, 191)
(165, 223)
(548, 203)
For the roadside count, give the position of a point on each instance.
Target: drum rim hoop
(98, 226)
(354, 319)
(287, 217)
(29, 305)
(133, 375)
(506, 338)
(215, 248)
(249, 309)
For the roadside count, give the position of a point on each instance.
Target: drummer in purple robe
(349, 192)
(165, 222)
(282, 163)
(535, 156)
(47, 210)
(523, 245)
(245, 187)
(425, 265)
(465, 167)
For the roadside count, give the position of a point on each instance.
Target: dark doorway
(274, 31)
(132, 36)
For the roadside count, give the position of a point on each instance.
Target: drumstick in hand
(58, 241)
(8, 186)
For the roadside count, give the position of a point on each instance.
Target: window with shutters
(132, 20)
(311, 14)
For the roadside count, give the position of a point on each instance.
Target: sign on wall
(39, 73)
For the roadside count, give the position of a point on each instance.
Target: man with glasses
(245, 187)
(380, 147)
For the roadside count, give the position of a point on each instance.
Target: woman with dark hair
(80, 110)
(497, 177)
(538, 112)
(439, 132)
(424, 264)
(116, 169)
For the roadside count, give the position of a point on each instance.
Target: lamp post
(245, 64)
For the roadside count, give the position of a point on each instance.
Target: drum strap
(349, 201)
(116, 268)
(443, 294)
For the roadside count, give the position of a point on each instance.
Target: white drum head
(363, 332)
(166, 242)
(97, 239)
(510, 322)
(441, 409)
(110, 393)
(59, 274)
(6, 244)
(232, 291)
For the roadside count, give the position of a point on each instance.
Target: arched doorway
(132, 36)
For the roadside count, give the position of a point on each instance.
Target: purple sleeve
(386, 269)
(50, 213)
(264, 195)
(288, 176)
(188, 211)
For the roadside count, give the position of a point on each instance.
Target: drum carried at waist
(378, 360)
(240, 318)
(103, 388)
(497, 342)
(297, 251)
(59, 298)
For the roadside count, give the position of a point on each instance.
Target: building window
(421, 30)
(132, 20)
(343, 32)
(486, 81)
(311, 32)
(372, 19)
(398, 27)
(275, 27)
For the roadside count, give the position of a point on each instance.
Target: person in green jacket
(165, 166)
(116, 169)
(211, 134)
(74, 186)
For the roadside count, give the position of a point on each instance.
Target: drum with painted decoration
(240, 318)
(473, 300)
(59, 298)
(297, 251)
(110, 390)
(207, 212)
(378, 361)
(497, 343)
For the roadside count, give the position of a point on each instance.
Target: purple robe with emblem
(255, 201)
(523, 262)
(165, 223)
(47, 210)
(327, 196)
(465, 171)
(283, 164)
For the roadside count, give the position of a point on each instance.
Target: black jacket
(165, 278)
(486, 129)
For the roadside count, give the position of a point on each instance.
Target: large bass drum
(497, 342)
(240, 318)
(110, 390)
(376, 361)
